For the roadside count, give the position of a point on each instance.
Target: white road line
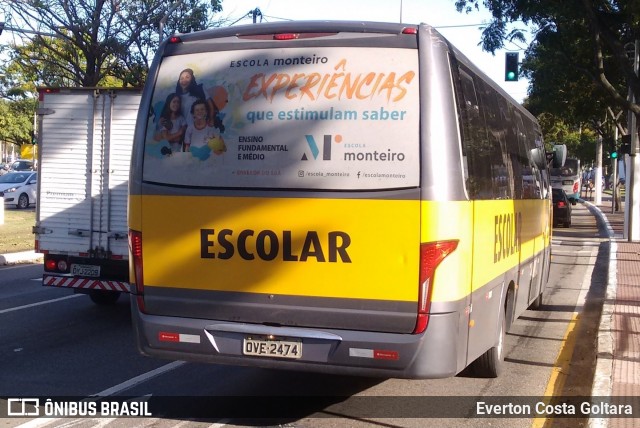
(46, 302)
(44, 421)
(139, 379)
(582, 253)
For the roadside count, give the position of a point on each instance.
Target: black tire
(23, 201)
(104, 297)
(489, 364)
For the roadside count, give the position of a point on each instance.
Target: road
(54, 343)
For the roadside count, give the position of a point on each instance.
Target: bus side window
(488, 177)
(496, 157)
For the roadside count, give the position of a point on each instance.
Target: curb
(20, 257)
(603, 376)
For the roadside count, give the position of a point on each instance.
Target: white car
(19, 188)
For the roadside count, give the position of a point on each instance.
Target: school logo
(326, 146)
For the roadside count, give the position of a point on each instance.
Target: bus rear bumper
(433, 354)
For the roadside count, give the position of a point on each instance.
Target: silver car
(19, 188)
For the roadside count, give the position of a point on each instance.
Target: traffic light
(625, 147)
(511, 67)
(614, 155)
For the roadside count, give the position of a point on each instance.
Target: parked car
(19, 188)
(21, 165)
(561, 208)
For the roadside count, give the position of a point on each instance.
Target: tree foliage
(16, 120)
(578, 61)
(85, 42)
(580, 141)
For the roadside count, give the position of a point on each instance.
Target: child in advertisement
(200, 138)
(172, 124)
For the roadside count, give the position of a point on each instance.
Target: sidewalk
(21, 257)
(618, 357)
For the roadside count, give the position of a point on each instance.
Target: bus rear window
(291, 118)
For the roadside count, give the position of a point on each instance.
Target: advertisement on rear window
(321, 118)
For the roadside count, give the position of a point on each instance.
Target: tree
(16, 120)
(85, 43)
(596, 60)
(82, 42)
(565, 99)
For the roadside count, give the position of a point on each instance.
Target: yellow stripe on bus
(365, 249)
(494, 237)
(326, 247)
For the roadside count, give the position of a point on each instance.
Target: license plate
(85, 270)
(567, 182)
(272, 348)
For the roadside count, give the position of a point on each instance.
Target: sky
(461, 29)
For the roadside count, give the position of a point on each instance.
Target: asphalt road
(54, 343)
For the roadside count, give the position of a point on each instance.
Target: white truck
(85, 137)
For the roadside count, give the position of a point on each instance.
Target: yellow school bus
(338, 197)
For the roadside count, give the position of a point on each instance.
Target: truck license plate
(272, 348)
(85, 270)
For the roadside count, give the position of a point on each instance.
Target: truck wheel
(104, 297)
(23, 201)
(489, 364)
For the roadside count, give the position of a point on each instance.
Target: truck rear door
(86, 137)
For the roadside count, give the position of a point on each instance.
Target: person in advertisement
(189, 91)
(172, 124)
(201, 138)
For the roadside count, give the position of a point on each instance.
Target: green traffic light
(614, 155)
(511, 67)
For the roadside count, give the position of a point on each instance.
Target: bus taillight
(135, 249)
(431, 255)
(576, 187)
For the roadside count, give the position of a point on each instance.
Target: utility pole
(632, 197)
(256, 13)
(597, 173)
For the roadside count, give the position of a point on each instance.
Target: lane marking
(46, 302)
(581, 253)
(44, 421)
(139, 379)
